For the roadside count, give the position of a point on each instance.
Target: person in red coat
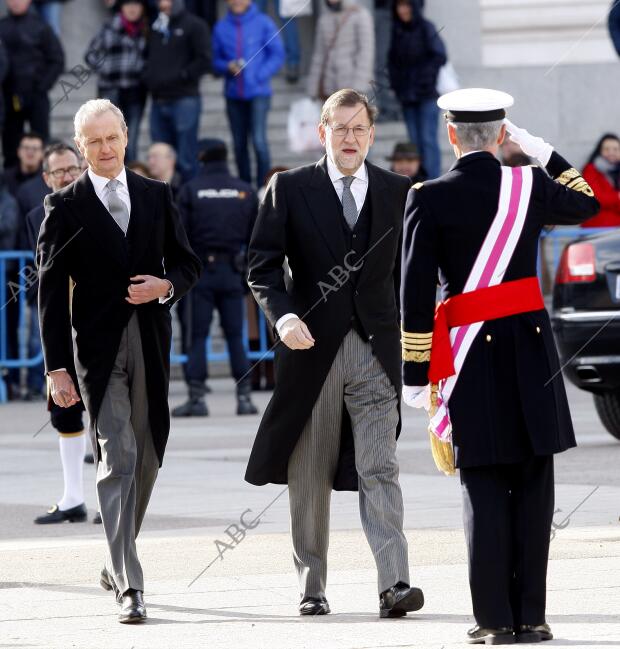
(602, 173)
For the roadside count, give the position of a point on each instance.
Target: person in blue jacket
(248, 51)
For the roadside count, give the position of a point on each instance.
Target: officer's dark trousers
(507, 511)
(219, 287)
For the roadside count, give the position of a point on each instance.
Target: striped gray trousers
(358, 381)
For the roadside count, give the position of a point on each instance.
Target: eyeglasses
(60, 173)
(343, 131)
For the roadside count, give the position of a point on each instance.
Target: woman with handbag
(416, 55)
(344, 50)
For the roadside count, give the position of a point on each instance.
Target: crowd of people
(160, 49)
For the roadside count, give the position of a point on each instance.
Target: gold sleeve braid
(572, 179)
(416, 346)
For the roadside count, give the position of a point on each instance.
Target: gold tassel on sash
(443, 453)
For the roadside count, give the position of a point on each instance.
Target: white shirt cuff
(60, 369)
(283, 319)
(163, 300)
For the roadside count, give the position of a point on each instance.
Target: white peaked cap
(475, 105)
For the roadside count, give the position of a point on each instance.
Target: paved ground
(247, 595)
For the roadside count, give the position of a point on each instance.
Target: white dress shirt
(359, 189)
(102, 191)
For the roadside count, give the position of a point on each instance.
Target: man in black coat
(36, 60)
(334, 417)
(508, 409)
(117, 238)
(179, 54)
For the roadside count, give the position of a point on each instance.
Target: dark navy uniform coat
(509, 402)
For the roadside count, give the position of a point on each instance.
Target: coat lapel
(96, 219)
(381, 221)
(323, 205)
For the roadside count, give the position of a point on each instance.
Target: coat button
(537, 330)
(371, 336)
(489, 339)
(357, 292)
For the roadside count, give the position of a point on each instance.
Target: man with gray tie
(334, 417)
(113, 257)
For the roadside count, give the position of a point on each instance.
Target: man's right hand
(62, 389)
(296, 335)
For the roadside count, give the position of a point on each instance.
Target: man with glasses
(61, 166)
(334, 417)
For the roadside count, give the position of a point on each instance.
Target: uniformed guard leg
(311, 470)
(487, 522)
(372, 403)
(532, 515)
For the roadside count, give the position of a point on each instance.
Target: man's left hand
(149, 288)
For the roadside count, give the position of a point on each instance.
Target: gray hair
(94, 108)
(476, 136)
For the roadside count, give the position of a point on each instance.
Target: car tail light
(577, 264)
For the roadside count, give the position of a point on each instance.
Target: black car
(586, 320)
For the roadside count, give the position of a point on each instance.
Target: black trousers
(36, 112)
(507, 512)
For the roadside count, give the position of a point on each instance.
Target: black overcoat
(300, 218)
(509, 401)
(79, 240)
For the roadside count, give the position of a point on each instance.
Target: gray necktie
(348, 202)
(116, 206)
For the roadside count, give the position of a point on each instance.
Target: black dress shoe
(314, 606)
(485, 635)
(97, 518)
(54, 515)
(399, 600)
(107, 583)
(533, 633)
(133, 610)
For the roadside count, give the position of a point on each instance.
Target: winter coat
(415, 57)
(176, 62)
(349, 61)
(36, 57)
(607, 196)
(252, 37)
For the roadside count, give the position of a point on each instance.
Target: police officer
(218, 212)
(497, 402)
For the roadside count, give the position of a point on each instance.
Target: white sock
(72, 451)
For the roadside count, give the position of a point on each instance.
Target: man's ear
(502, 134)
(322, 134)
(76, 140)
(452, 134)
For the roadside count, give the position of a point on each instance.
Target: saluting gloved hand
(531, 145)
(417, 396)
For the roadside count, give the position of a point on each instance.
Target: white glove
(417, 396)
(531, 145)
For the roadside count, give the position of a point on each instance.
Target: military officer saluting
(484, 362)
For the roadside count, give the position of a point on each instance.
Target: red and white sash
(489, 269)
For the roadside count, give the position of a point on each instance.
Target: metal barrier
(264, 352)
(15, 291)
